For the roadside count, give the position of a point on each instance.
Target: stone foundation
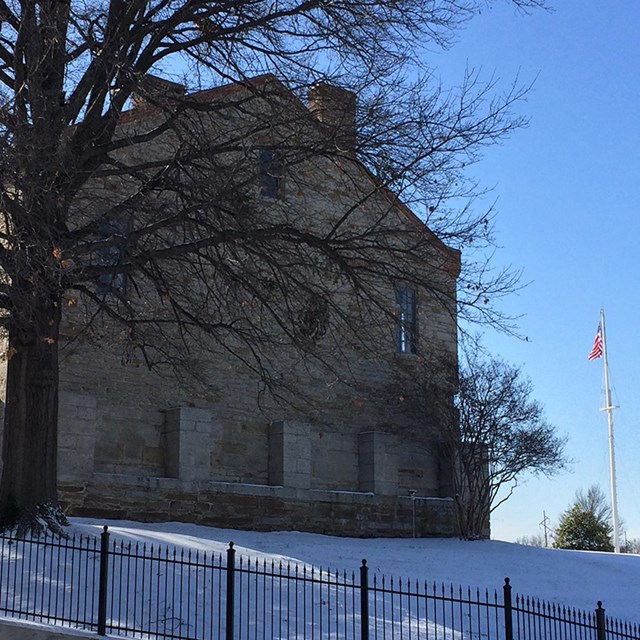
(258, 507)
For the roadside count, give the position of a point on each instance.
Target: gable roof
(274, 86)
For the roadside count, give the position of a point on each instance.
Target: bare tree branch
(497, 436)
(131, 204)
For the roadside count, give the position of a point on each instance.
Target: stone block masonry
(341, 434)
(299, 455)
(290, 455)
(259, 507)
(378, 466)
(77, 437)
(188, 431)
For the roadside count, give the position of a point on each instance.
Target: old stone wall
(118, 417)
(354, 418)
(265, 508)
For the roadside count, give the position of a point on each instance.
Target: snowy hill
(571, 578)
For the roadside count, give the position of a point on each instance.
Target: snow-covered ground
(572, 578)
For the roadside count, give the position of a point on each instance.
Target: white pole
(612, 458)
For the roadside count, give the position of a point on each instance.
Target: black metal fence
(150, 591)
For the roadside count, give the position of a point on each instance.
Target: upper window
(271, 173)
(110, 256)
(406, 319)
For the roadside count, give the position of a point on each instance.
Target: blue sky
(568, 200)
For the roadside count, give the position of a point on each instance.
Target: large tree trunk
(28, 488)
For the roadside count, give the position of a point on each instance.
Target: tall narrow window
(271, 173)
(406, 319)
(110, 257)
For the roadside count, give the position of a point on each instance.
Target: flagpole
(612, 458)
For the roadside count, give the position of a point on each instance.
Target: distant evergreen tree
(585, 525)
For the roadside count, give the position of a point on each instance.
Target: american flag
(596, 352)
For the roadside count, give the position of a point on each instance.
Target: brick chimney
(152, 89)
(336, 109)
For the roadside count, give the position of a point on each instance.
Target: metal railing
(149, 591)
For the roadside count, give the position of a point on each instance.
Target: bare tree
(501, 436)
(536, 540)
(631, 546)
(68, 71)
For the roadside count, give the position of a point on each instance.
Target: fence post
(600, 623)
(364, 601)
(231, 590)
(508, 610)
(103, 582)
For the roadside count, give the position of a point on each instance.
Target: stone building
(359, 454)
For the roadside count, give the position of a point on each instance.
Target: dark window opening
(111, 256)
(271, 174)
(406, 319)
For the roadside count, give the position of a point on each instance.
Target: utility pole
(546, 528)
